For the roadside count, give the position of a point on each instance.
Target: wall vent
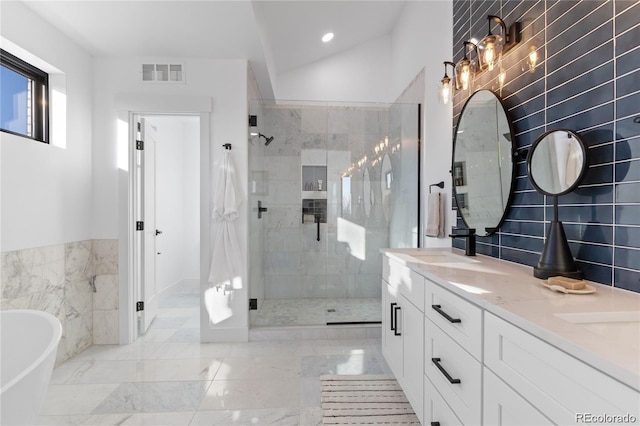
(163, 73)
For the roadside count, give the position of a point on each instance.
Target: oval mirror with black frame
(482, 169)
(556, 163)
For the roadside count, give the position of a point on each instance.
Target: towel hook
(439, 185)
(227, 146)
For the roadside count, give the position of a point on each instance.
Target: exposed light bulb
(465, 76)
(502, 78)
(490, 55)
(532, 58)
(445, 94)
(327, 37)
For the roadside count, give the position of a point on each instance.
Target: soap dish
(586, 290)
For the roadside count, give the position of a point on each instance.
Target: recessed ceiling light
(327, 37)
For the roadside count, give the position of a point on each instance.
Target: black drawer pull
(438, 308)
(395, 317)
(392, 326)
(436, 361)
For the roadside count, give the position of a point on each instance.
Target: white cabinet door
(392, 348)
(436, 410)
(412, 330)
(503, 406)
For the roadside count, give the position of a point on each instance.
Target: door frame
(128, 107)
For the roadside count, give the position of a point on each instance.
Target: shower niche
(314, 194)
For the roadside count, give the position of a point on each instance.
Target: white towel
(226, 261)
(435, 216)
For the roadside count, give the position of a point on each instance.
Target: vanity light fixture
(494, 45)
(447, 84)
(466, 68)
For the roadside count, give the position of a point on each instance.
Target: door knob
(158, 232)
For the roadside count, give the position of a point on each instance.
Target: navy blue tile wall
(588, 80)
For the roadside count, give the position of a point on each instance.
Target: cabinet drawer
(408, 282)
(436, 410)
(557, 384)
(455, 374)
(455, 316)
(503, 406)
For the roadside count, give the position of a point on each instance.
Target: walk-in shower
(340, 183)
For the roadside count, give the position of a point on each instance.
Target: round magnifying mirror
(557, 162)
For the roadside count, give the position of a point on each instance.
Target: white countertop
(601, 329)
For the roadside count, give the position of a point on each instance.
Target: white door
(147, 289)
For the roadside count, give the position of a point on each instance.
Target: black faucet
(470, 235)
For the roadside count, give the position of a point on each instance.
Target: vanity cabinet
(402, 336)
(559, 385)
(483, 360)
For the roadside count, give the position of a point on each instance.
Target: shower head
(268, 140)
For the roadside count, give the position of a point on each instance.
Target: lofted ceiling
(276, 36)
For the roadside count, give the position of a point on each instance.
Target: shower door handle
(318, 222)
(261, 209)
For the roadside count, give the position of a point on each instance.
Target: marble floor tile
(266, 416)
(62, 420)
(267, 348)
(154, 397)
(168, 322)
(181, 350)
(310, 392)
(161, 370)
(134, 351)
(317, 365)
(310, 416)
(141, 419)
(185, 335)
(93, 371)
(167, 377)
(241, 394)
(64, 400)
(259, 368)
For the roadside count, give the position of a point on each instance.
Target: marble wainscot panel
(105, 297)
(78, 321)
(59, 279)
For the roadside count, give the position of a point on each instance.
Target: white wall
(177, 199)
(360, 74)
(46, 189)
(225, 82)
(422, 39)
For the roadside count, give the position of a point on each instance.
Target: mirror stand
(556, 258)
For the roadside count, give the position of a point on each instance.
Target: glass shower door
(336, 179)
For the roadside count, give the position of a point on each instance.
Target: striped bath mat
(365, 400)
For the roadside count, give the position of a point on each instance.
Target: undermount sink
(600, 317)
(439, 257)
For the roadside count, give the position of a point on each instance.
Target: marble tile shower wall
(58, 279)
(296, 265)
(587, 80)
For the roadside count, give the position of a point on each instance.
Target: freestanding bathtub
(28, 346)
